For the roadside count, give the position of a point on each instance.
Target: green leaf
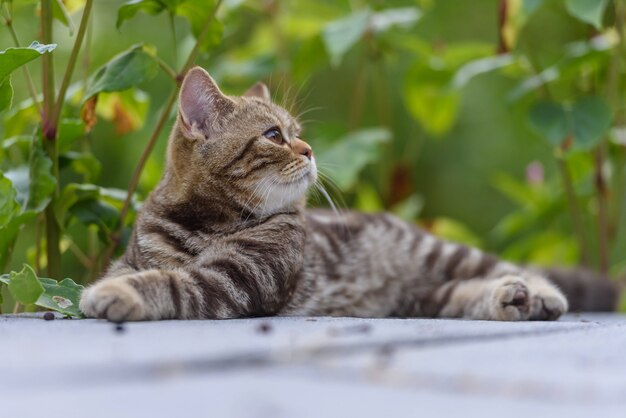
(454, 230)
(549, 120)
(13, 58)
(8, 235)
(70, 130)
(404, 17)
(368, 199)
(585, 121)
(430, 99)
(73, 193)
(309, 56)
(24, 286)
(6, 93)
(60, 13)
(480, 66)
(124, 71)
(22, 117)
(588, 11)
(352, 153)
(341, 35)
(197, 12)
(591, 119)
(41, 181)
(99, 213)
(9, 206)
(83, 163)
(152, 7)
(409, 208)
(579, 57)
(62, 296)
(34, 183)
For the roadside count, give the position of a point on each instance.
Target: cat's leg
(512, 297)
(143, 295)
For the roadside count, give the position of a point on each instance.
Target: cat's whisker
(311, 109)
(328, 198)
(330, 181)
(253, 195)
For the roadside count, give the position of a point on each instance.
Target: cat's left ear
(259, 90)
(202, 105)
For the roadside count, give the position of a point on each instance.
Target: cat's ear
(259, 90)
(202, 105)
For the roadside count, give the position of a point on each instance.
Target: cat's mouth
(306, 176)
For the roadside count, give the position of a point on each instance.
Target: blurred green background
(430, 109)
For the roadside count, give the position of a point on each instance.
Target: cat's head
(246, 148)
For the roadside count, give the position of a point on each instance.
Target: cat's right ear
(202, 105)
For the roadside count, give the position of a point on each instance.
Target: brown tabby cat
(225, 235)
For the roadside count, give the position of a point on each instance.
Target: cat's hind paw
(547, 302)
(510, 299)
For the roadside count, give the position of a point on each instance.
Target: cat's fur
(226, 235)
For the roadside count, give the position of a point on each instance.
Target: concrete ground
(313, 367)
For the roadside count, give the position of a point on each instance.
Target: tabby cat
(226, 235)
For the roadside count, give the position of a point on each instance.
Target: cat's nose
(303, 148)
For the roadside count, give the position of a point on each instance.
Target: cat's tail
(585, 290)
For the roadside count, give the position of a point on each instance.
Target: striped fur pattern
(226, 235)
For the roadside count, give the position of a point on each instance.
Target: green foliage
(590, 11)
(62, 296)
(60, 13)
(353, 152)
(24, 286)
(6, 93)
(28, 289)
(131, 67)
(195, 11)
(8, 205)
(339, 36)
(585, 121)
(12, 59)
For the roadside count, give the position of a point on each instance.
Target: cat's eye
(274, 135)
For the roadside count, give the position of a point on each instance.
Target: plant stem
(132, 186)
(574, 210)
(619, 105)
(46, 59)
(80, 36)
(38, 223)
(53, 230)
(168, 70)
(360, 90)
(8, 21)
(174, 41)
(81, 256)
(603, 221)
(205, 29)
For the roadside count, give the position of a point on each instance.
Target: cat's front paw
(510, 299)
(114, 300)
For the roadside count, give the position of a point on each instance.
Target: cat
(226, 234)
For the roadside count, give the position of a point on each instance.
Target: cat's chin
(287, 194)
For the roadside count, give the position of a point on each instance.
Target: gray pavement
(313, 367)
